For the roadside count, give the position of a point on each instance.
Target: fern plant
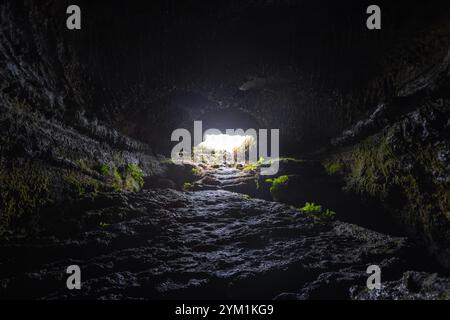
(316, 209)
(311, 207)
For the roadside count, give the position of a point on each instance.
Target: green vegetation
(326, 215)
(250, 166)
(116, 180)
(24, 190)
(316, 209)
(260, 161)
(133, 179)
(289, 159)
(373, 167)
(333, 168)
(311, 207)
(196, 171)
(83, 165)
(103, 225)
(279, 185)
(105, 170)
(253, 166)
(82, 184)
(188, 186)
(382, 167)
(113, 176)
(136, 174)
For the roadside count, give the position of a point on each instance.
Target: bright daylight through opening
(218, 148)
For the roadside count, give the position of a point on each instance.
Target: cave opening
(222, 148)
(321, 146)
(229, 136)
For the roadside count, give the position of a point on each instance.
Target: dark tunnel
(354, 170)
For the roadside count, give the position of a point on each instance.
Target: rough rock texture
(230, 179)
(412, 286)
(37, 67)
(70, 101)
(406, 166)
(311, 83)
(203, 244)
(46, 162)
(399, 156)
(431, 84)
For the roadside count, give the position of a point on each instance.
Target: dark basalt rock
(77, 110)
(204, 244)
(67, 162)
(412, 286)
(406, 168)
(230, 179)
(413, 94)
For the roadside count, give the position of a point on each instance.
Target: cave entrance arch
(229, 135)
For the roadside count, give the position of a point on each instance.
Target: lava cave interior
(356, 132)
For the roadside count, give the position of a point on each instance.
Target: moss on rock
(406, 167)
(135, 177)
(132, 178)
(24, 189)
(82, 184)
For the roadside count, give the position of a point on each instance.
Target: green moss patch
(132, 178)
(82, 184)
(405, 173)
(333, 168)
(24, 189)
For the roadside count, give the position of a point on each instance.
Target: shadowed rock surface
(86, 119)
(412, 286)
(204, 244)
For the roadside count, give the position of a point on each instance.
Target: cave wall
(52, 150)
(308, 68)
(400, 156)
(276, 61)
(111, 93)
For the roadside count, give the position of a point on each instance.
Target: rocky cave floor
(214, 243)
